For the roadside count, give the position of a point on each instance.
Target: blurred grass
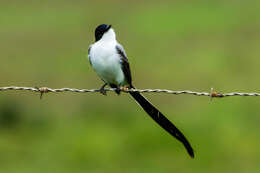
(170, 44)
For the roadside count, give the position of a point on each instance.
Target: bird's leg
(116, 87)
(118, 90)
(102, 89)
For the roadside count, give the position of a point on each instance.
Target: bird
(108, 58)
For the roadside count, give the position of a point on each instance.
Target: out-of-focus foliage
(170, 44)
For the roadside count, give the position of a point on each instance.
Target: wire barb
(44, 90)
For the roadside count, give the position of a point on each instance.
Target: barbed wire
(211, 94)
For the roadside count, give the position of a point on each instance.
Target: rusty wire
(211, 94)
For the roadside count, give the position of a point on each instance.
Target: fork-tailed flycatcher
(109, 60)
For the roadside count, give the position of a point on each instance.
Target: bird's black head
(101, 30)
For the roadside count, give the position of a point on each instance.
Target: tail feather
(157, 116)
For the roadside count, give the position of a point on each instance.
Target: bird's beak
(108, 27)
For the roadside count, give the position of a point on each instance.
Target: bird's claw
(103, 91)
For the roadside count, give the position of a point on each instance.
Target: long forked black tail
(157, 116)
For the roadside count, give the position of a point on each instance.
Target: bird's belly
(109, 69)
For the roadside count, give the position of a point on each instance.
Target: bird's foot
(117, 90)
(102, 90)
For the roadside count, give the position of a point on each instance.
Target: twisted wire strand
(212, 94)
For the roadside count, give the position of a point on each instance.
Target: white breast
(106, 62)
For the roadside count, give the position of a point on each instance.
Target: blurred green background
(176, 45)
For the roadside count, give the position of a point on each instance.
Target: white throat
(109, 35)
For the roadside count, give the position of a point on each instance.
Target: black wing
(125, 64)
(89, 58)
